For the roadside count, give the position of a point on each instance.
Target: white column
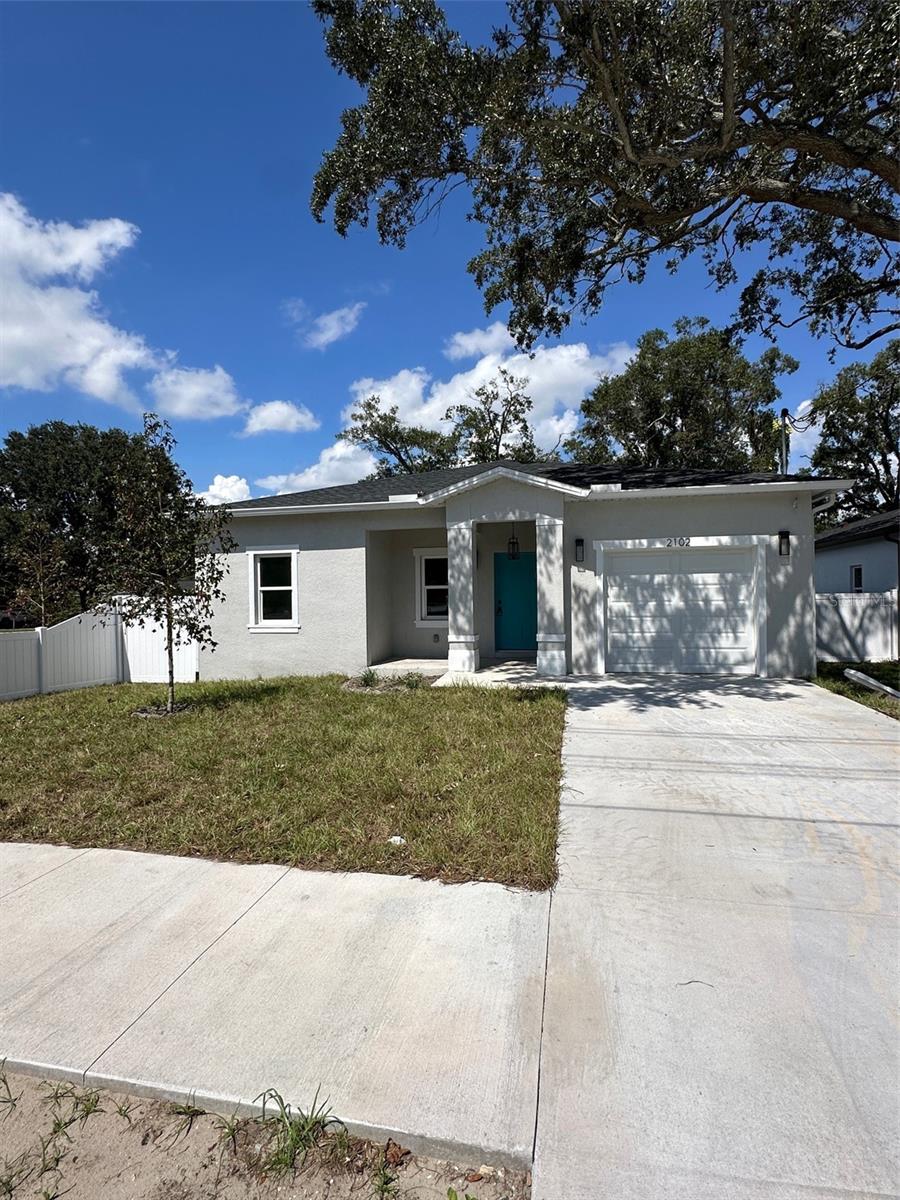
(462, 640)
(551, 638)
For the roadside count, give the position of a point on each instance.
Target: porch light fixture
(579, 549)
(512, 546)
(784, 543)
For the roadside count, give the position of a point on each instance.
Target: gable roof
(567, 475)
(861, 530)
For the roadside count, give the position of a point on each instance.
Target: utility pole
(784, 441)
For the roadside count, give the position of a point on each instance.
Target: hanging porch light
(512, 546)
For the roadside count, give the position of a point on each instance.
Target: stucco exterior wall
(332, 595)
(405, 639)
(878, 559)
(790, 599)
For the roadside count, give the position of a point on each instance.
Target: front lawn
(294, 771)
(831, 676)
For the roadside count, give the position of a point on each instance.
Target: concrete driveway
(722, 978)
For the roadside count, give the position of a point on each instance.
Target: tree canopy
(58, 502)
(597, 136)
(692, 401)
(493, 422)
(859, 417)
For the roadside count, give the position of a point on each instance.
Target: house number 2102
(678, 541)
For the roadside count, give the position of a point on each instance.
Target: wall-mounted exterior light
(784, 543)
(579, 549)
(512, 546)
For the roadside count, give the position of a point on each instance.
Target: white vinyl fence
(855, 626)
(85, 651)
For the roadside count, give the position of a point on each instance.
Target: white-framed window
(856, 583)
(431, 586)
(273, 576)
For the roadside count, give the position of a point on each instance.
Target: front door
(515, 602)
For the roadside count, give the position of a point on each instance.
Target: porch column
(551, 619)
(462, 640)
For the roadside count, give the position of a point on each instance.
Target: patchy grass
(295, 771)
(831, 676)
(127, 1148)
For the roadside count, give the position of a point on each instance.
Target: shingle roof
(368, 491)
(861, 530)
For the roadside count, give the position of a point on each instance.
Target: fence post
(39, 632)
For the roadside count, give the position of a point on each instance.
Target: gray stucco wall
(790, 627)
(357, 579)
(332, 589)
(878, 559)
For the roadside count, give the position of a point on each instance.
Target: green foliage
(598, 136)
(693, 401)
(168, 547)
(58, 501)
(294, 1132)
(493, 423)
(399, 449)
(859, 417)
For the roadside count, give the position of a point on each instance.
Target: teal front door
(515, 602)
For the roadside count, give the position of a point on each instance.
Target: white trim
(597, 491)
(475, 481)
(420, 554)
(281, 510)
(735, 542)
(254, 624)
(820, 486)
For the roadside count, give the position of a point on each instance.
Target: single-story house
(859, 556)
(585, 569)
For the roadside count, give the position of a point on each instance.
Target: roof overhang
(825, 489)
(819, 487)
(495, 473)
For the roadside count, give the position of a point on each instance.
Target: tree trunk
(170, 656)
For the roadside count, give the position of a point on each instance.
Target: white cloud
(493, 340)
(226, 489)
(340, 463)
(55, 332)
(558, 378)
(195, 393)
(280, 416)
(319, 332)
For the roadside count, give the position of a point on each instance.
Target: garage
(682, 608)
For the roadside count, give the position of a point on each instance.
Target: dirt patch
(62, 1139)
(374, 683)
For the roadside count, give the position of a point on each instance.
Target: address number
(678, 541)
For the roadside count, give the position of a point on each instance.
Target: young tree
(859, 417)
(599, 136)
(494, 424)
(170, 548)
(694, 401)
(399, 449)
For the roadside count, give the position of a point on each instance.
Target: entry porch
(473, 593)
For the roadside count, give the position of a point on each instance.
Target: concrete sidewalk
(720, 1018)
(414, 1007)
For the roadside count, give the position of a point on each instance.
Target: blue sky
(157, 161)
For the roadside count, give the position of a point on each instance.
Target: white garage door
(688, 610)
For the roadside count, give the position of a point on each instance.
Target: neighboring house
(586, 569)
(859, 556)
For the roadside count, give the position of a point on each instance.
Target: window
(431, 587)
(856, 578)
(273, 590)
